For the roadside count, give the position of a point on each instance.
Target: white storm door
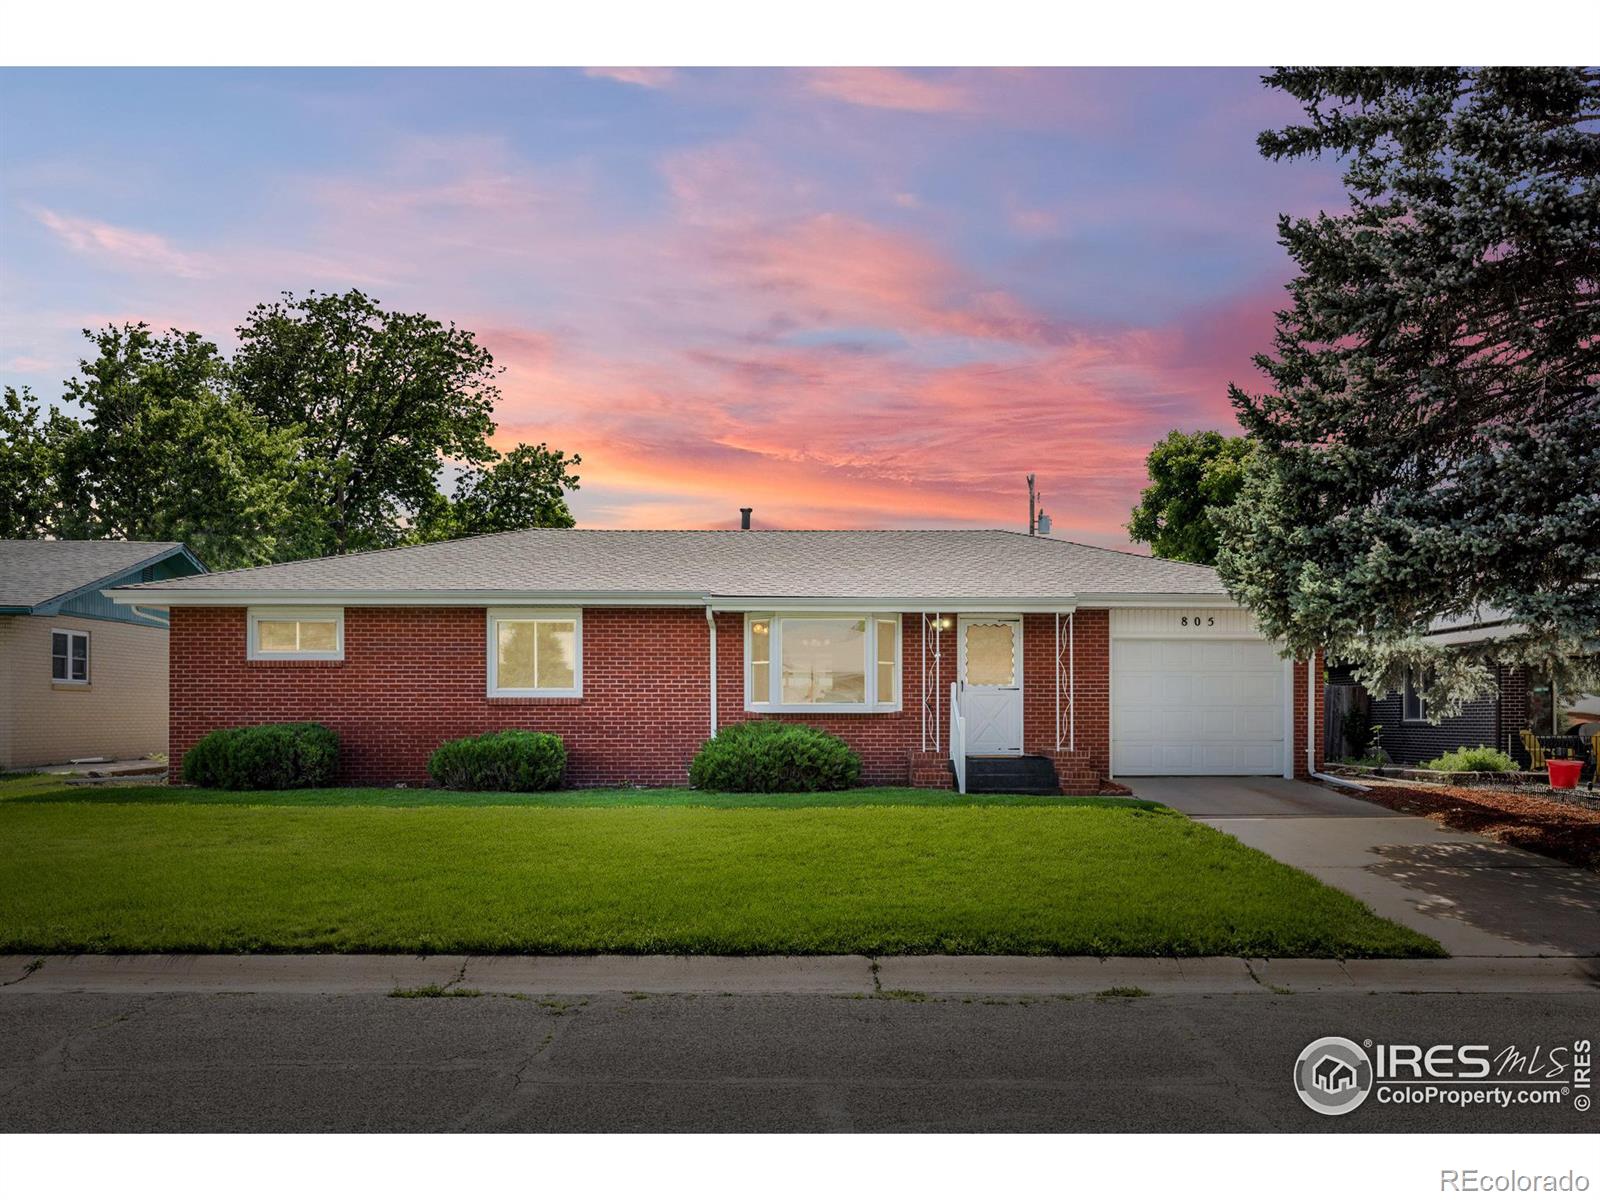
(991, 683)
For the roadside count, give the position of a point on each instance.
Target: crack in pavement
(491, 1113)
(36, 965)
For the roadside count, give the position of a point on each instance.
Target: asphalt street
(618, 1062)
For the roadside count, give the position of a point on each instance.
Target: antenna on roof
(1038, 521)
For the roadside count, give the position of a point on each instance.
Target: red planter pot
(1564, 772)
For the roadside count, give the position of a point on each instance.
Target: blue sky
(844, 296)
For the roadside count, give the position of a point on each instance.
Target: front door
(991, 683)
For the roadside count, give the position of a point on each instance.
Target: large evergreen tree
(1430, 444)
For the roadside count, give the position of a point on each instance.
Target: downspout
(711, 626)
(1311, 714)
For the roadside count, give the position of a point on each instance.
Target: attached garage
(1196, 692)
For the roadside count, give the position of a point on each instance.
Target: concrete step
(1029, 774)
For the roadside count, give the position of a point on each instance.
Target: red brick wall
(1090, 633)
(414, 677)
(1297, 718)
(885, 741)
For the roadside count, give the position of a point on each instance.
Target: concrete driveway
(1473, 895)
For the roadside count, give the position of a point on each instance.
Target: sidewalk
(933, 975)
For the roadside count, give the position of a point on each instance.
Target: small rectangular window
(888, 659)
(534, 653)
(296, 634)
(69, 656)
(760, 661)
(1412, 706)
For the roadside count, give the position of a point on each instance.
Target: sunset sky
(846, 297)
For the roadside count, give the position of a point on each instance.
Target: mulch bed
(1568, 830)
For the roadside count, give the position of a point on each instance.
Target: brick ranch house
(1082, 663)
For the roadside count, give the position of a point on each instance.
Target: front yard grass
(50, 789)
(647, 874)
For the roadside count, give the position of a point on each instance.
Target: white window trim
(775, 665)
(254, 616)
(88, 665)
(1409, 684)
(492, 656)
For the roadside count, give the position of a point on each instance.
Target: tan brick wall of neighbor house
(122, 713)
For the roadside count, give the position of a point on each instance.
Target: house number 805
(1197, 621)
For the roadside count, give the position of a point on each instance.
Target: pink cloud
(648, 77)
(664, 345)
(832, 269)
(124, 247)
(886, 87)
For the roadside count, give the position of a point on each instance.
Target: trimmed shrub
(1478, 758)
(774, 756)
(510, 761)
(268, 758)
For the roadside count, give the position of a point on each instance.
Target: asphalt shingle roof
(33, 572)
(949, 563)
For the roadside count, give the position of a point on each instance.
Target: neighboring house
(634, 646)
(1519, 701)
(81, 677)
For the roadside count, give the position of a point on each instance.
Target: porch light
(758, 626)
(939, 622)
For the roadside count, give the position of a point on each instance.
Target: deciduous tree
(1190, 474)
(379, 401)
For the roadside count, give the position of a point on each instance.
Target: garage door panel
(1196, 707)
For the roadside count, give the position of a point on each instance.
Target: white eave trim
(894, 604)
(429, 598)
(217, 598)
(1155, 600)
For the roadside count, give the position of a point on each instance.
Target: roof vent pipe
(744, 517)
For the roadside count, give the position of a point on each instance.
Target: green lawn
(50, 789)
(875, 871)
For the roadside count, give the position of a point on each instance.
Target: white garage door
(1196, 707)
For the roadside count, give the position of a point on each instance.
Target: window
(535, 652)
(296, 633)
(1543, 708)
(1412, 706)
(830, 662)
(69, 656)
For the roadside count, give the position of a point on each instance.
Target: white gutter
(855, 604)
(435, 598)
(220, 598)
(711, 625)
(1340, 781)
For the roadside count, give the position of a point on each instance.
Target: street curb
(931, 975)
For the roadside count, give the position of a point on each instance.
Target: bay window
(535, 652)
(825, 662)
